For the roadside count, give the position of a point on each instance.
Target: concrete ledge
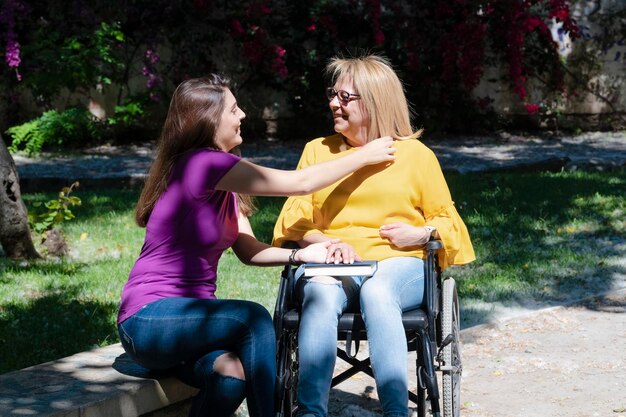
(100, 382)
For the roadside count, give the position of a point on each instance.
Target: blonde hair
(382, 94)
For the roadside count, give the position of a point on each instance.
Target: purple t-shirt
(189, 228)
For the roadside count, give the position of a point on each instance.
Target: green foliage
(75, 58)
(440, 49)
(127, 114)
(56, 211)
(55, 129)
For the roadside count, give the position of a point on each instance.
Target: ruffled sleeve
(457, 246)
(439, 211)
(294, 221)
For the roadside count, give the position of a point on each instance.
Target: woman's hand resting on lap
(403, 235)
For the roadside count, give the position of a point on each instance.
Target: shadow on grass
(611, 303)
(44, 267)
(541, 239)
(53, 326)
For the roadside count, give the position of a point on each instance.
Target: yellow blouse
(411, 190)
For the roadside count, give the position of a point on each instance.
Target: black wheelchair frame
(433, 331)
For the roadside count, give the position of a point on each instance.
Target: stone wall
(606, 91)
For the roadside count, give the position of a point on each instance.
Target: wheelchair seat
(432, 331)
(352, 322)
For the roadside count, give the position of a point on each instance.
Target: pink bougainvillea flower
(532, 108)
(560, 14)
(280, 51)
(278, 65)
(379, 38)
(236, 28)
(532, 23)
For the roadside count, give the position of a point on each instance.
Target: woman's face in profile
(349, 117)
(228, 133)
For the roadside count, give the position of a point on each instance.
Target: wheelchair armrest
(285, 290)
(432, 284)
(434, 245)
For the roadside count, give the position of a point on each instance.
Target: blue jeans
(397, 286)
(187, 335)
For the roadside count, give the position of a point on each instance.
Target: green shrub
(56, 210)
(127, 115)
(54, 129)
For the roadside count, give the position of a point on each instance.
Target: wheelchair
(433, 331)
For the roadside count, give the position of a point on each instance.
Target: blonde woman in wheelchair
(385, 215)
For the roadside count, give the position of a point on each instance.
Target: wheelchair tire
(288, 380)
(451, 377)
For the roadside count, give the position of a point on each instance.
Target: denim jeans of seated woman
(187, 335)
(397, 286)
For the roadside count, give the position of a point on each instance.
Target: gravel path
(107, 165)
(566, 361)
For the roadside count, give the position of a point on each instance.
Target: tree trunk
(15, 235)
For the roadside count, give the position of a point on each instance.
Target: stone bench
(102, 382)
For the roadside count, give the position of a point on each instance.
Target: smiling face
(350, 119)
(228, 133)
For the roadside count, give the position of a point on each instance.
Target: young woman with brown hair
(169, 317)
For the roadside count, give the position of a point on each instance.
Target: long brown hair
(193, 117)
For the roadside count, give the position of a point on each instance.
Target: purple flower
(153, 81)
(12, 55)
(152, 57)
(149, 71)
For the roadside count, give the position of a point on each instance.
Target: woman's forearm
(252, 252)
(248, 178)
(321, 175)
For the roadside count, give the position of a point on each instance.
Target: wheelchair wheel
(288, 376)
(452, 351)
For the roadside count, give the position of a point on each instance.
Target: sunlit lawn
(544, 237)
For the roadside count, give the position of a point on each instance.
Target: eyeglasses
(343, 96)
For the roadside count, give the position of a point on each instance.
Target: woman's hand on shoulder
(404, 235)
(377, 151)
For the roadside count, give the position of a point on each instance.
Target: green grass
(543, 237)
